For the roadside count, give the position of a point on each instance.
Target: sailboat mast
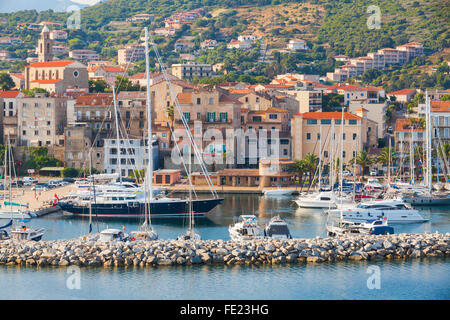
(9, 170)
(341, 160)
(119, 160)
(320, 156)
(149, 125)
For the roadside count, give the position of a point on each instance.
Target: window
(48, 132)
(211, 116)
(273, 116)
(343, 136)
(308, 136)
(338, 121)
(198, 101)
(211, 100)
(199, 117)
(76, 74)
(223, 116)
(36, 132)
(354, 136)
(311, 121)
(325, 121)
(352, 122)
(24, 132)
(187, 116)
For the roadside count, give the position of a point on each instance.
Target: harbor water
(398, 279)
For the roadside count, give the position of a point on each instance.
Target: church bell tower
(45, 46)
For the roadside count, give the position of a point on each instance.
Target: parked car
(29, 181)
(69, 180)
(374, 172)
(82, 181)
(17, 184)
(346, 173)
(54, 183)
(40, 187)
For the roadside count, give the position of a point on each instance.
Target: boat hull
(158, 209)
(428, 201)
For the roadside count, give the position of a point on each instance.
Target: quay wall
(88, 253)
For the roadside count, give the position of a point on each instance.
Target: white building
(133, 155)
(84, 55)
(297, 44)
(58, 35)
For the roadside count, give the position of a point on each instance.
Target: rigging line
(196, 151)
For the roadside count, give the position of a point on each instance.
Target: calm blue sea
(409, 280)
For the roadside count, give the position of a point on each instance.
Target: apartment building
(312, 129)
(9, 102)
(357, 92)
(404, 95)
(41, 120)
(84, 54)
(190, 70)
(130, 53)
(297, 44)
(107, 73)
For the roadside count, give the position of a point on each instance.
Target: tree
(299, 168)
(98, 85)
(69, 173)
(311, 161)
(6, 82)
(363, 160)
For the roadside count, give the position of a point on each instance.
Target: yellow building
(312, 129)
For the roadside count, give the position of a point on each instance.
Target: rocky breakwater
(172, 252)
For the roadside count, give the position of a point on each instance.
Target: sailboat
(129, 205)
(190, 233)
(6, 210)
(146, 231)
(21, 232)
(426, 196)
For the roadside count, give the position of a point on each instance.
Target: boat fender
(132, 238)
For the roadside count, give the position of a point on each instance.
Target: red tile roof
(9, 94)
(279, 110)
(50, 64)
(44, 81)
(405, 125)
(440, 106)
(95, 99)
(328, 115)
(402, 92)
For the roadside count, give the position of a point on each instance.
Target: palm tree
(311, 161)
(418, 158)
(386, 156)
(171, 116)
(299, 168)
(363, 160)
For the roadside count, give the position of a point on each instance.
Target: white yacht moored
(24, 233)
(394, 210)
(321, 200)
(277, 192)
(246, 228)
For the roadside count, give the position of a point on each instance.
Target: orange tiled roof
(95, 99)
(51, 64)
(9, 94)
(440, 106)
(328, 115)
(402, 92)
(227, 99)
(405, 125)
(184, 97)
(47, 80)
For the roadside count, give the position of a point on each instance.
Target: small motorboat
(112, 235)
(374, 184)
(277, 229)
(370, 227)
(321, 200)
(277, 192)
(246, 228)
(25, 233)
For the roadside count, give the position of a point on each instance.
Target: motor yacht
(324, 200)
(277, 228)
(372, 227)
(277, 192)
(24, 233)
(396, 211)
(246, 228)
